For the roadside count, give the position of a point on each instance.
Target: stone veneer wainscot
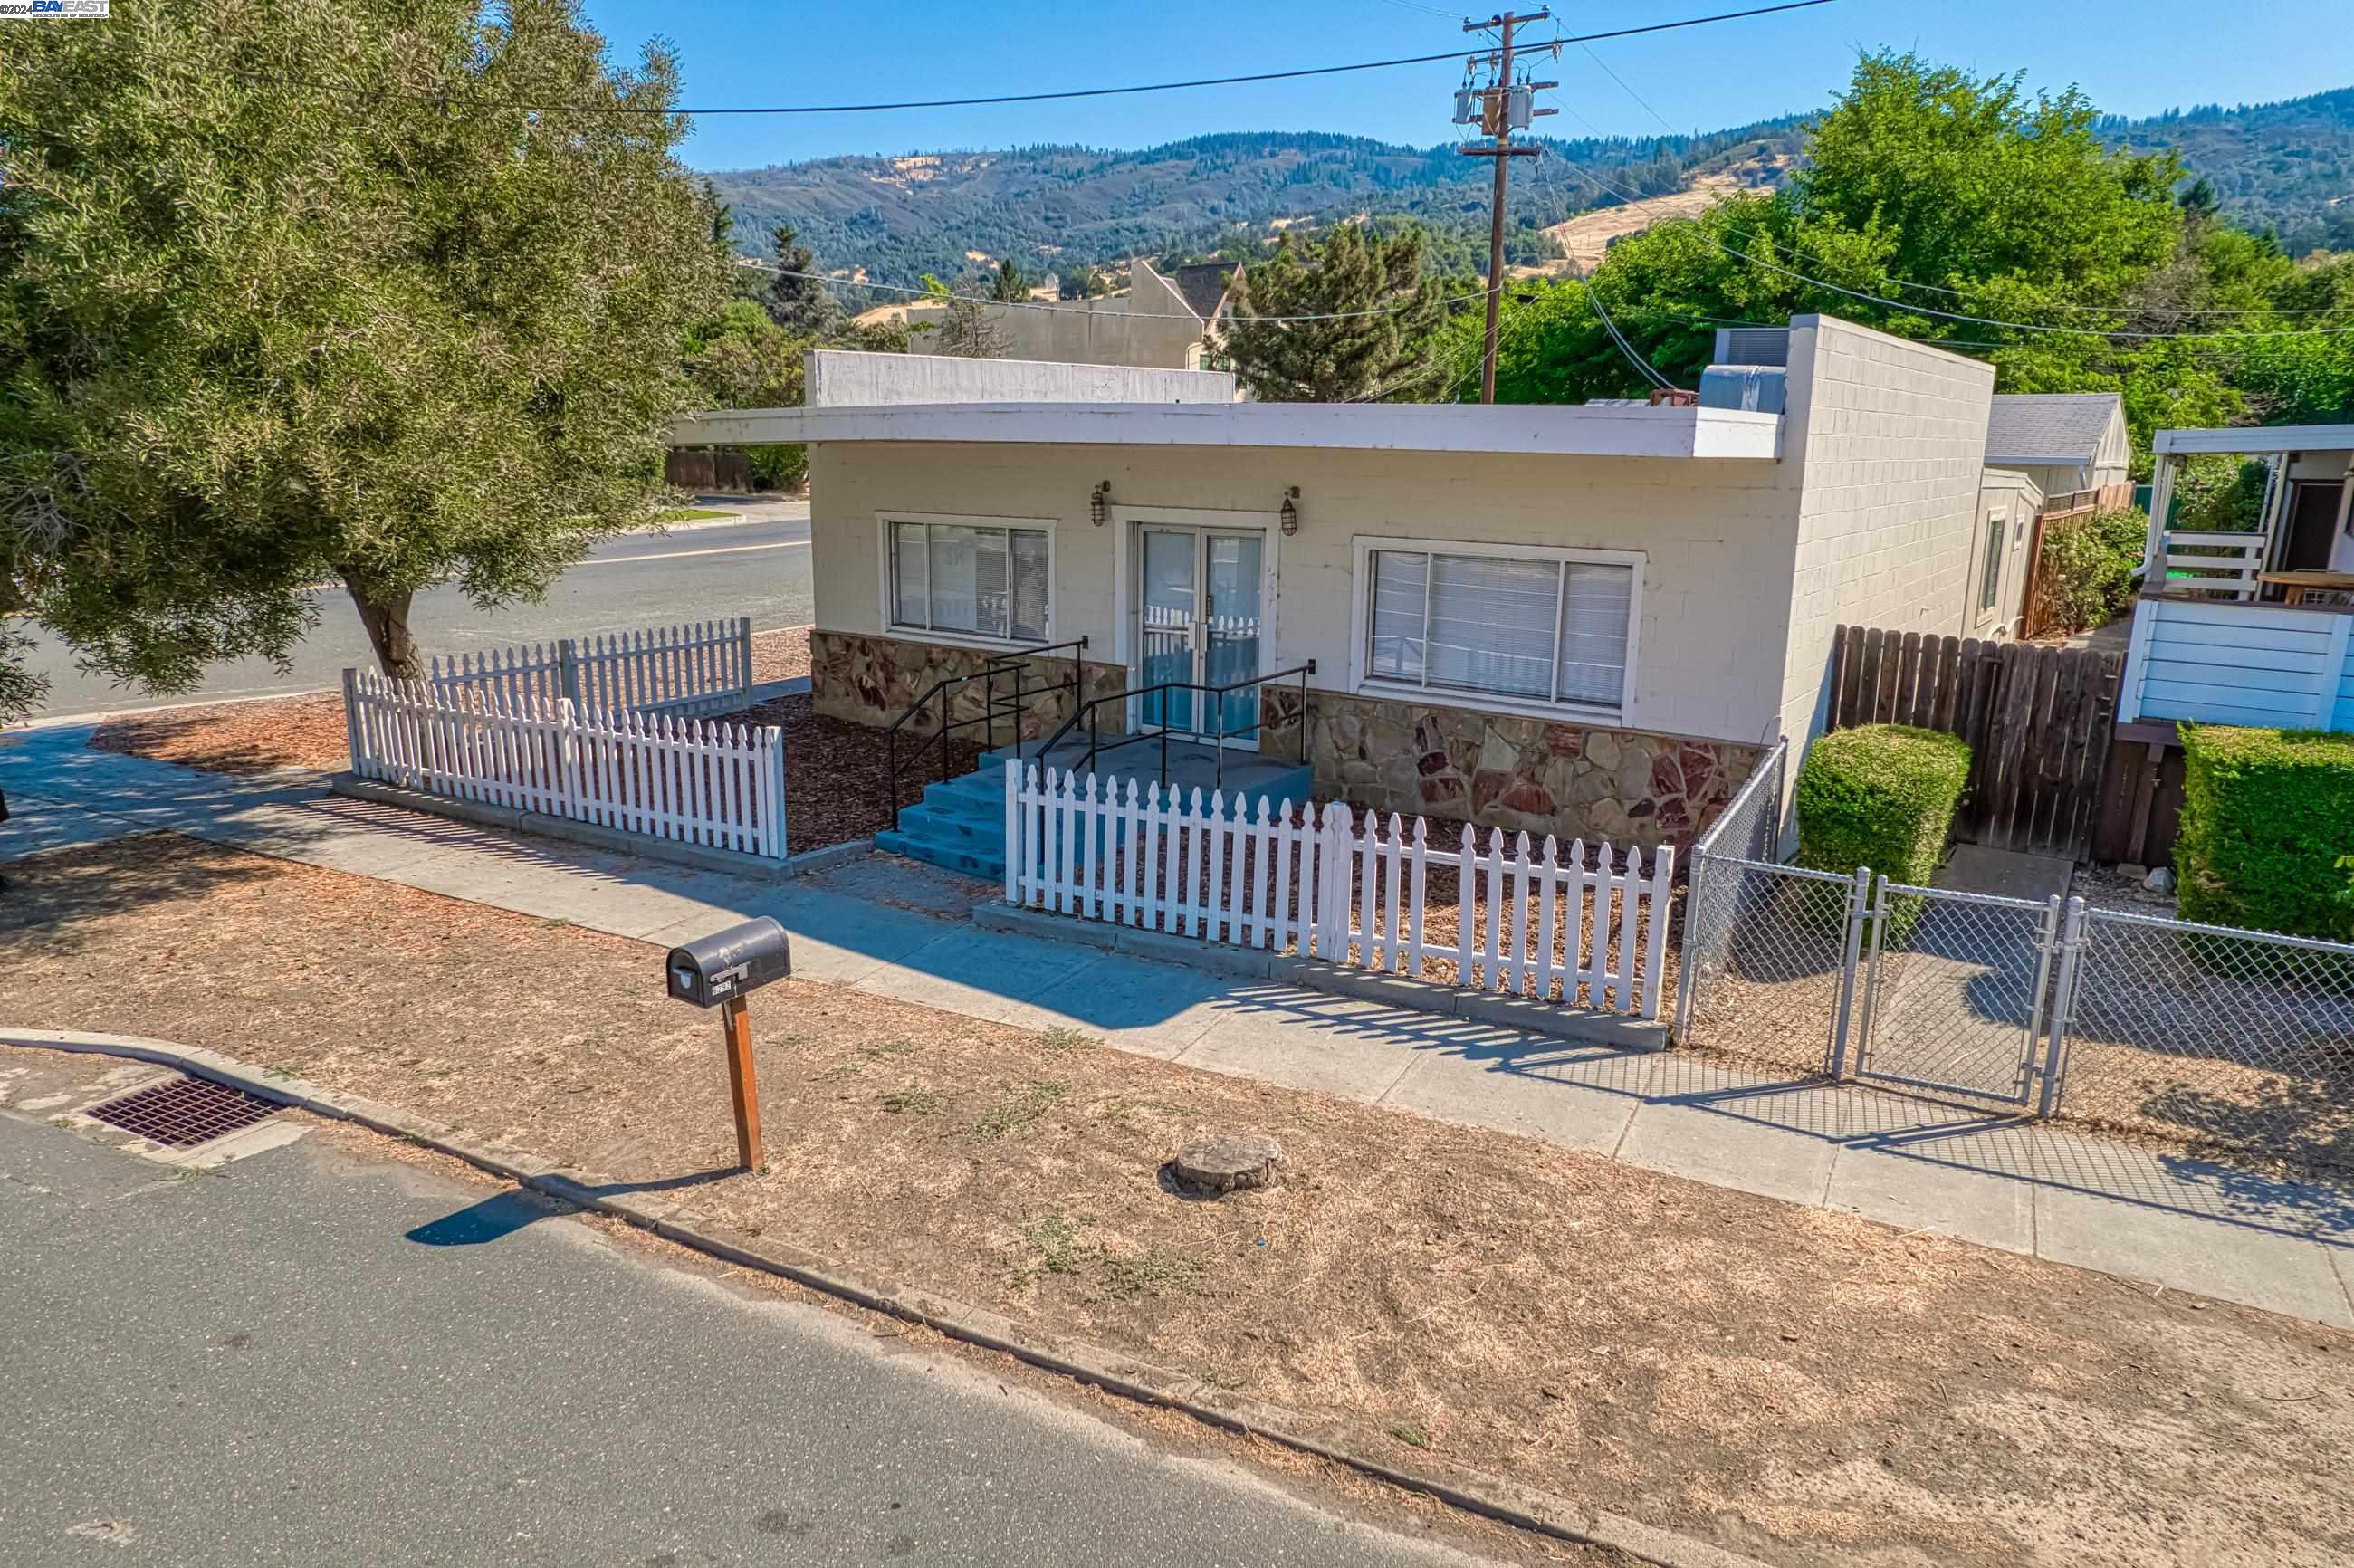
(1512, 772)
(873, 679)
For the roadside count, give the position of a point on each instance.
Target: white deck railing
(2270, 666)
(1526, 920)
(657, 776)
(2221, 563)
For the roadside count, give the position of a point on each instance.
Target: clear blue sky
(2134, 56)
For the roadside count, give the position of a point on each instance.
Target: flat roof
(1549, 430)
(2258, 438)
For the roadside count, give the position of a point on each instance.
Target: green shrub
(2086, 576)
(1881, 795)
(2266, 815)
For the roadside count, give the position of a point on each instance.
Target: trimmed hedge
(1881, 795)
(2267, 814)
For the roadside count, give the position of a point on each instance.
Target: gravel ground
(1801, 1385)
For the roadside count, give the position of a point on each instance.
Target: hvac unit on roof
(1753, 345)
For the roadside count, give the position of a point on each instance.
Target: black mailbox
(726, 964)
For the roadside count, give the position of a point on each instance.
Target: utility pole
(1496, 122)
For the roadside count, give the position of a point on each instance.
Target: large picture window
(972, 580)
(1548, 626)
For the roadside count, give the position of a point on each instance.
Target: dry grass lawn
(1808, 1388)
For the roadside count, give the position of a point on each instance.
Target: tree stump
(1227, 1161)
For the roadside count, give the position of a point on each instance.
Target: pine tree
(1012, 286)
(802, 305)
(1379, 312)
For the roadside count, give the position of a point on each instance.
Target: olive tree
(381, 293)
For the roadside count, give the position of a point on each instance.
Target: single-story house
(1580, 619)
(2066, 442)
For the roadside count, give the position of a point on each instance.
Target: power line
(444, 102)
(1629, 91)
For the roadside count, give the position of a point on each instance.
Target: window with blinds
(1530, 626)
(974, 579)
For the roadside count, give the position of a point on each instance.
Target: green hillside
(2288, 167)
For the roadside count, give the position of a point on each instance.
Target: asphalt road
(760, 567)
(323, 1357)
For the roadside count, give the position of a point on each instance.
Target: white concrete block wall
(845, 378)
(1891, 438)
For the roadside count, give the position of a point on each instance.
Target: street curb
(1473, 1491)
(1525, 1013)
(734, 862)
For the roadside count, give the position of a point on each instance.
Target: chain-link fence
(2230, 1042)
(1769, 949)
(2224, 1039)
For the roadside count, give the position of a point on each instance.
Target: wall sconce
(1290, 513)
(1098, 500)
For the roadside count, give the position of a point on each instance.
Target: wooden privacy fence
(654, 774)
(702, 667)
(2039, 721)
(1511, 918)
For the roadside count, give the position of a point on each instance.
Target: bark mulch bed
(1804, 1386)
(835, 772)
(781, 654)
(237, 737)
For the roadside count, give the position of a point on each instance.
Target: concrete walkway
(2176, 1222)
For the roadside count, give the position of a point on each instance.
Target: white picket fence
(1526, 919)
(703, 667)
(654, 774)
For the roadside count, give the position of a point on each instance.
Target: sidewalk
(2060, 1195)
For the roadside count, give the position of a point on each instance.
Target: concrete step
(987, 864)
(952, 829)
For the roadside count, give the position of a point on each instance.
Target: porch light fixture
(1098, 500)
(1290, 513)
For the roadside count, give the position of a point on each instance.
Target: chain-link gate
(1954, 993)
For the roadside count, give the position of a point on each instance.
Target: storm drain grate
(182, 1112)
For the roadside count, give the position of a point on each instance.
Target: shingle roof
(1203, 285)
(2049, 427)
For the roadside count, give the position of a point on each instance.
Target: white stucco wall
(842, 379)
(1716, 536)
(1891, 438)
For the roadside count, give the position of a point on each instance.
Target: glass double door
(1200, 596)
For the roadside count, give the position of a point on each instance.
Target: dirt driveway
(1803, 1386)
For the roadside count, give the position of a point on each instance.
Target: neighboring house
(2257, 627)
(1160, 323)
(1585, 620)
(2066, 442)
(2002, 555)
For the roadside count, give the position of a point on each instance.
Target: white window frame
(894, 626)
(1365, 683)
(1986, 605)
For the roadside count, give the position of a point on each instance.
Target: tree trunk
(386, 616)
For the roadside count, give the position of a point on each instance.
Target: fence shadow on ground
(1952, 1136)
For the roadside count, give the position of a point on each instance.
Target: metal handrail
(1096, 745)
(1014, 660)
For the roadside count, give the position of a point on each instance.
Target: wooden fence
(2039, 721)
(1521, 921)
(698, 668)
(707, 471)
(722, 786)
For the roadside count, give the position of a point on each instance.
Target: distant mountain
(2285, 166)
(1050, 207)
(2288, 167)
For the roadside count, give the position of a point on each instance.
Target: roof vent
(1753, 345)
